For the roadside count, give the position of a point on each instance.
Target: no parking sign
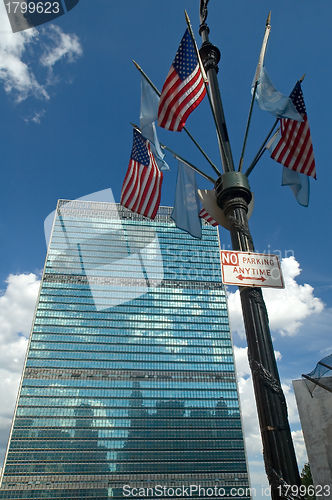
(251, 269)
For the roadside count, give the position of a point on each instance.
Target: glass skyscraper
(129, 385)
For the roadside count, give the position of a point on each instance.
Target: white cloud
(17, 306)
(20, 63)
(294, 419)
(15, 74)
(63, 46)
(36, 117)
(9, 383)
(258, 480)
(248, 406)
(293, 415)
(250, 423)
(297, 302)
(235, 313)
(300, 449)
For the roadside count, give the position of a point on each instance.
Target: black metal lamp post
(233, 196)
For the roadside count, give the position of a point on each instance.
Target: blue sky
(68, 92)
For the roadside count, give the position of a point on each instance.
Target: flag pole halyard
(224, 157)
(256, 79)
(184, 128)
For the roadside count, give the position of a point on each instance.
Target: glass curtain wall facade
(129, 380)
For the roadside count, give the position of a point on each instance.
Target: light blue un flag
(148, 115)
(187, 203)
(299, 184)
(269, 99)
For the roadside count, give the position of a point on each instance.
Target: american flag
(183, 89)
(294, 149)
(203, 214)
(141, 188)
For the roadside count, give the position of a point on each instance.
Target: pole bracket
(232, 184)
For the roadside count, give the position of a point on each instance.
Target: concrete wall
(315, 411)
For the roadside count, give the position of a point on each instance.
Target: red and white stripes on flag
(141, 190)
(294, 149)
(204, 215)
(183, 89)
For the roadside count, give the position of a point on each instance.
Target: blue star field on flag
(141, 190)
(185, 60)
(139, 150)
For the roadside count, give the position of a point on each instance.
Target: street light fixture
(233, 196)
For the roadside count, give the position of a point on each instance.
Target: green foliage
(306, 479)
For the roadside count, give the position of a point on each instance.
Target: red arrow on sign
(250, 278)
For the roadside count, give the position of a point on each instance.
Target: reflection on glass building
(129, 380)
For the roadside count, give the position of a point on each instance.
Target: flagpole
(184, 128)
(205, 78)
(186, 162)
(223, 154)
(178, 157)
(210, 56)
(233, 196)
(256, 79)
(261, 150)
